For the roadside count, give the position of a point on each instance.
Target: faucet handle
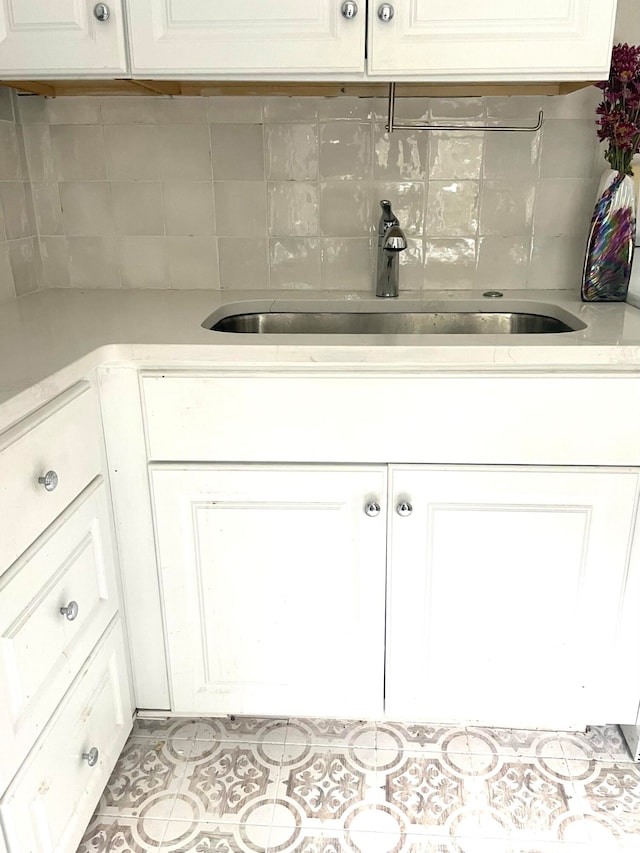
(387, 218)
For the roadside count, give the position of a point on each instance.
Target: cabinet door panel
(40, 649)
(59, 39)
(199, 38)
(273, 585)
(463, 39)
(505, 593)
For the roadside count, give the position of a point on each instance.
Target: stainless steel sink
(301, 322)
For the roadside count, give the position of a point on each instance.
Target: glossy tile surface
(265, 169)
(328, 786)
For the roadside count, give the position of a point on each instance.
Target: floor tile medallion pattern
(328, 786)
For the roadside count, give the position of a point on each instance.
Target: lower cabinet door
(273, 588)
(506, 593)
(50, 801)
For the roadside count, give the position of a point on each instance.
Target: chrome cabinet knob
(49, 481)
(101, 12)
(91, 757)
(404, 508)
(70, 611)
(372, 509)
(385, 12)
(349, 9)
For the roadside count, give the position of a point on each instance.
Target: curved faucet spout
(391, 241)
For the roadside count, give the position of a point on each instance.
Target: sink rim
(395, 306)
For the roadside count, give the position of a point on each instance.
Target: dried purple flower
(619, 122)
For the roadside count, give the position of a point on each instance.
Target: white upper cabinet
(407, 39)
(62, 38)
(181, 38)
(496, 39)
(463, 40)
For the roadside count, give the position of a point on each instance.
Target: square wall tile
(568, 148)
(137, 208)
(193, 263)
(47, 208)
(506, 207)
(347, 264)
(143, 262)
(455, 155)
(184, 152)
(15, 210)
(292, 152)
(512, 155)
(237, 152)
(188, 208)
(182, 110)
(345, 109)
(241, 209)
(282, 108)
(6, 104)
(293, 209)
(25, 265)
(119, 110)
(132, 152)
(345, 151)
(7, 287)
(73, 110)
(86, 208)
(10, 166)
(449, 264)
(400, 156)
(564, 207)
(452, 209)
(503, 263)
(295, 263)
(234, 110)
(54, 252)
(557, 262)
(93, 262)
(38, 152)
(244, 265)
(78, 152)
(346, 209)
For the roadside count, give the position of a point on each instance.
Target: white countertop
(50, 339)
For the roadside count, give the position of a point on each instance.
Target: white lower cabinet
(49, 803)
(55, 603)
(505, 596)
(273, 588)
(505, 591)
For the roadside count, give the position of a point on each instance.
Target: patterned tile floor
(327, 786)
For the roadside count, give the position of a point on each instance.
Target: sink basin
(428, 322)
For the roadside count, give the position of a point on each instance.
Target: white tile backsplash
(251, 192)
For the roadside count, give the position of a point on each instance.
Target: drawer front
(49, 804)
(42, 648)
(374, 417)
(63, 436)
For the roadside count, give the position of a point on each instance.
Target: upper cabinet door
(202, 39)
(495, 39)
(62, 39)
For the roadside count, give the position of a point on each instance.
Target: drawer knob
(349, 9)
(91, 757)
(49, 481)
(404, 508)
(102, 12)
(372, 509)
(385, 12)
(70, 611)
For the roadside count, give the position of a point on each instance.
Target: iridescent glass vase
(607, 263)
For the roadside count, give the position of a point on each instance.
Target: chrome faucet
(391, 241)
